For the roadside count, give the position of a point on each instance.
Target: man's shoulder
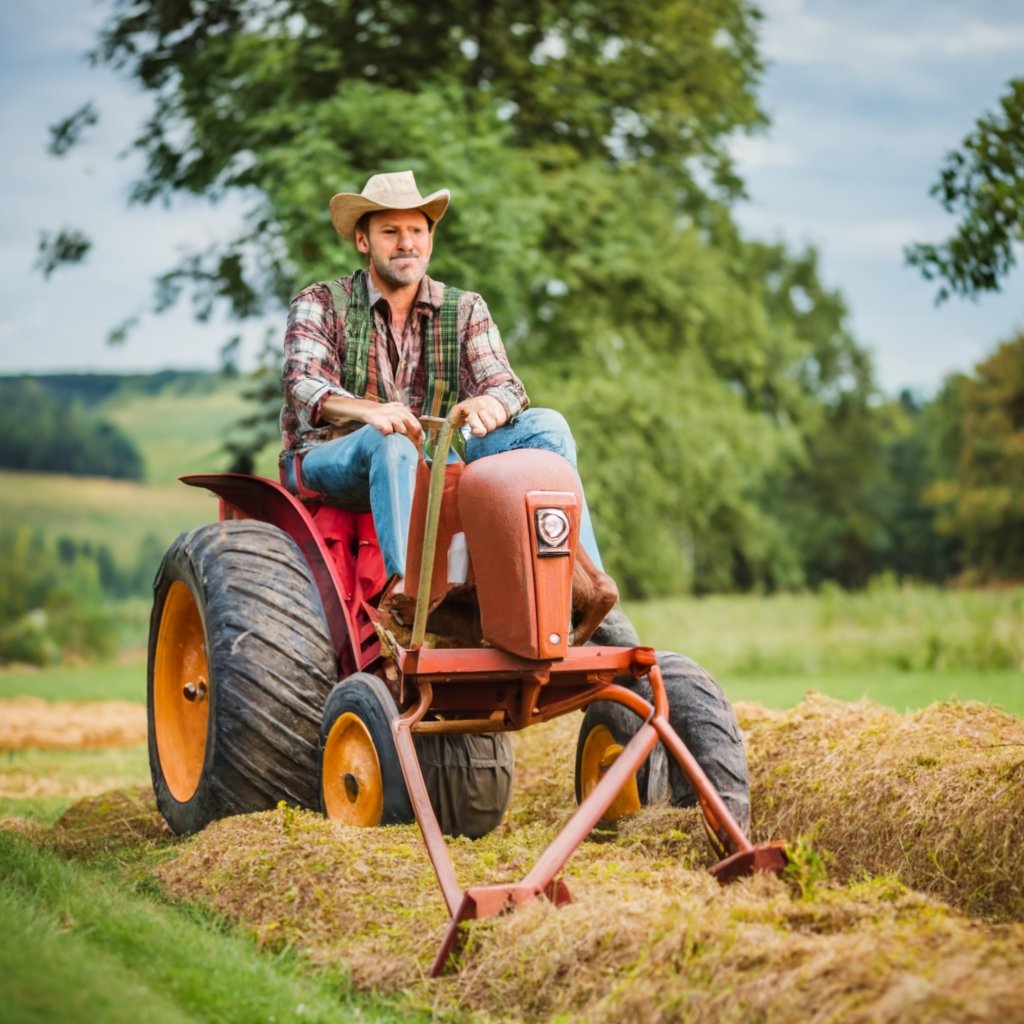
(323, 291)
(439, 292)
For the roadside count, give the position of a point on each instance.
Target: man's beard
(399, 275)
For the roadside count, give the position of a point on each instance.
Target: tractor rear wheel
(702, 715)
(240, 664)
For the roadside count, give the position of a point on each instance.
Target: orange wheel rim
(599, 753)
(181, 692)
(352, 783)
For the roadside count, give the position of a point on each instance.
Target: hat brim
(348, 207)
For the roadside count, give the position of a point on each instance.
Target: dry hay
(116, 820)
(32, 722)
(651, 937)
(934, 798)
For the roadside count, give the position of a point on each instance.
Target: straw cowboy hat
(396, 191)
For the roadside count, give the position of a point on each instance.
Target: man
(364, 357)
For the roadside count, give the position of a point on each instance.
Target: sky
(865, 98)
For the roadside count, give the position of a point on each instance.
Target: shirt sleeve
(313, 355)
(485, 368)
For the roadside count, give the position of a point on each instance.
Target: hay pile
(651, 937)
(935, 798)
(931, 800)
(119, 820)
(70, 725)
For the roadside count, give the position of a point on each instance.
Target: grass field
(117, 513)
(79, 947)
(122, 680)
(900, 646)
(184, 432)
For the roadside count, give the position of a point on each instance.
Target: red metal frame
(536, 692)
(256, 497)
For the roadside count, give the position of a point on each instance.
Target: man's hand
(392, 418)
(482, 414)
(387, 417)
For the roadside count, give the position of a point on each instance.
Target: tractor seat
(351, 539)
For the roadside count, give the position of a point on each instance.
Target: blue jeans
(368, 469)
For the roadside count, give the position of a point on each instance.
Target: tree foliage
(42, 432)
(586, 144)
(50, 605)
(981, 502)
(982, 183)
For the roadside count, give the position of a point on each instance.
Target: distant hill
(93, 389)
(177, 421)
(50, 433)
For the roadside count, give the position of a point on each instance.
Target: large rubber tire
(240, 665)
(702, 715)
(468, 777)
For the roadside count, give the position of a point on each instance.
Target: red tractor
(281, 667)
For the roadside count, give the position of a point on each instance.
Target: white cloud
(755, 151)
(909, 44)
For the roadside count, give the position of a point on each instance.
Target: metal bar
(433, 518)
(719, 816)
(437, 849)
(453, 662)
(588, 814)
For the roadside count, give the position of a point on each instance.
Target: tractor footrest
(762, 857)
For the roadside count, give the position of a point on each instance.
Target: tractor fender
(256, 497)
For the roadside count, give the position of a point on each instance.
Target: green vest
(441, 344)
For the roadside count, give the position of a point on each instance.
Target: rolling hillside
(177, 421)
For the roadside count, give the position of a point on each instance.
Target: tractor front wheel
(240, 664)
(468, 777)
(361, 780)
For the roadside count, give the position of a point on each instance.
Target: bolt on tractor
(285, 666)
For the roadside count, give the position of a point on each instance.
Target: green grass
(122, 681)
(79, 946)
(903, 691)
(885, 628)
(39, 785)
(184, 432)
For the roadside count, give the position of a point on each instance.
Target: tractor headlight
(552, 532)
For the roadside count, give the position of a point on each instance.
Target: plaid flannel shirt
(314, 355)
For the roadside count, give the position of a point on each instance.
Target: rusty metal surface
(770, 857)
(493, 511)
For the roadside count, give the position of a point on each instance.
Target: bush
(50, 609)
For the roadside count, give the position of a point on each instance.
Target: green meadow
(98, 938)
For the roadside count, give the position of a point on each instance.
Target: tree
(981, 506)
(586, 145)
(983, 184)
(44, 433)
